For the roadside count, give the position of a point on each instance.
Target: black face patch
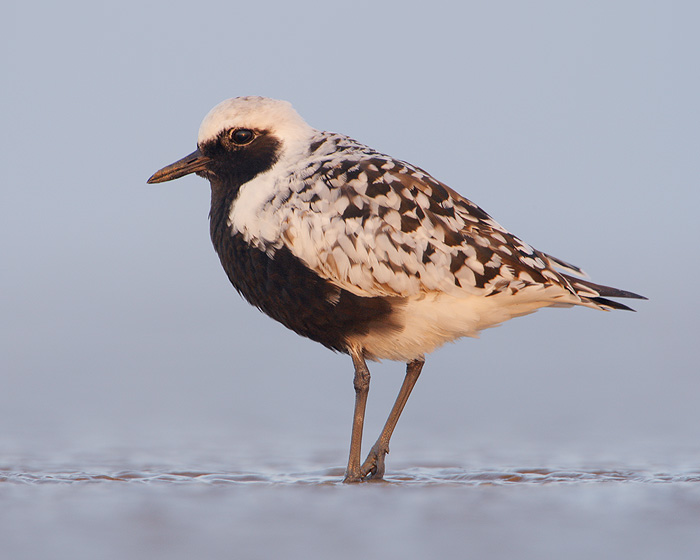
(235, 165)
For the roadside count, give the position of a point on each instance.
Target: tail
(598, 294)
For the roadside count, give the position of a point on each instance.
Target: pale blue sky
(574, 124)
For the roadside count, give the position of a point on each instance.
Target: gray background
(575, 125)
(125, 355)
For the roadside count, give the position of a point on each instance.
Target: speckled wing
(376, 226)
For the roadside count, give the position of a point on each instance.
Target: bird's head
(241, 138)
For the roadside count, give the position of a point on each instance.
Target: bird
(361, 252)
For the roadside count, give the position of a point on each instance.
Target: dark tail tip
(601, 293)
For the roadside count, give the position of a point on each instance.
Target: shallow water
(131, 504)
(418, 476)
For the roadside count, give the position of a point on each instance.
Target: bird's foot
(372, 470)
(352, 478)
(373, 467)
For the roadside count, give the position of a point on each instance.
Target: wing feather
(377, 226)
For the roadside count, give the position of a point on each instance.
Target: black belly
(289, 292)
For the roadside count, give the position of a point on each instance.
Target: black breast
(288, 291)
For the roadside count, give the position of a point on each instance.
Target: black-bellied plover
(364, 253)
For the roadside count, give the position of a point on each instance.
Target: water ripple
(332, 476)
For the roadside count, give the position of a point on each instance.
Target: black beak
(192, 163)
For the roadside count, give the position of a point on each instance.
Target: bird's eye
(241, 136)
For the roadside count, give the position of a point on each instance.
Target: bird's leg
(373, 467)
(361, 382)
